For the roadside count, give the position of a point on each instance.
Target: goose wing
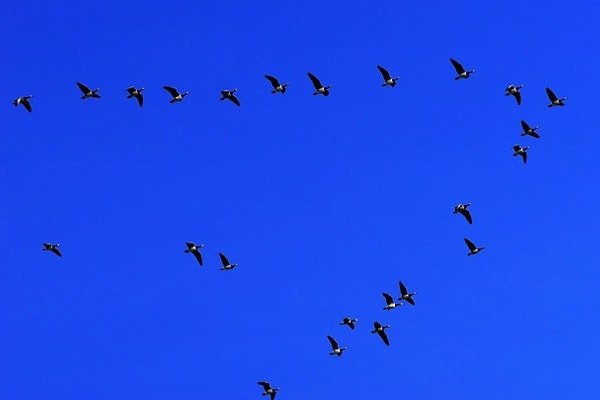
(516, 148)
(198, 256)
(131, 90)
(26, 104)
(551, 95)
(234, 99)
(403, 290)
(140, 99)
(376, 325)
(389, 299)
(525, 126)
(273, 81)
(467, 214)
(83, 88)
(457, 66)
(315, 81)
(410, 300)
(350, 324)
(384, 337)
(265, 385)
(334, 344)
(171, 90)
(56, 251)
(384, 72)
(224, 259)
(524, 154)
(470, 245)
(518, 97)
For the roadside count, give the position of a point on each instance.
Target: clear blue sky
(324, 202)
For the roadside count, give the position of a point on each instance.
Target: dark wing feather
(140, 99)
(56, 251)
(524, 157)
(235, 100)
(171, 90)
(457, 66)
(265, 385)
(525, 126)
(384, 73)
(26, 104)
(315, 81)
(224, 259)
(376, 325)
(470, 245)
(273, 395)
(518, 97)
(389, 299)
(410, 300)
(131, 89)
(384, 337)
(351, 325)
(403, 290)
(467, 215)
(334, 344)
(551, 95)
(198, 256)
(83, 88)
(273, 80)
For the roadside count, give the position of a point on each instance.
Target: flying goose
(195, 250)
(521, 151)
(472, 248)
(320, 89)
(380, 330)
(462, 209)
(527, 130)
(390, 302)
(387, 78)
(87, 92)
(554, 101)
(405, 295)
(277, 87)
(226, 264)
(23, 100)
(349, 321)
(229, 94)
(337, 350)
(53, 248)
(462, 73)
(137, 93)
(514, 90)
(176, 96)
(268, 390)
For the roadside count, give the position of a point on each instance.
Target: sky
(325, 202)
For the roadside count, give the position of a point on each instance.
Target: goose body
(514, 90)
(226, 264)
(387, 78)
(277, 87)
(521, 151)
(349, 321)
(53, 248)
(320, 89)
(137, 93)
(462, 209)
(23, 100)
(335, 348)
(195, 250)
(405, 295)
(389, 300)
(176, 97)
(267, 389)
(472, 248)
(527, 130)
(554, 100)
(461, 72)
(87, 92)
(380, 330)
(229, 94)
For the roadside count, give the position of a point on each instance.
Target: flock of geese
(277, 87)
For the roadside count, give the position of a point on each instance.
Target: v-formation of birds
(277, 87)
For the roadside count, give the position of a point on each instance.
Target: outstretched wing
(198, 256)
(384, 337)
(140, 99)
(389, 299)
(273, 80)
(403, 290)
(518, 97)
(56, 251)
(467, 215)
(334, 344)
(224, 259)
(26, 104)
(171, 90)
(384, 73)
(315, 81)
(470, 245)
(457, 66)
(83, 88)
(551, 95)
(265, 385)
(525, 126)
(234, 99)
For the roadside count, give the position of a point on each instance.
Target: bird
(387, 78)
(53, 248)
(337, 350)
(268, 390)
(226, 264)
(462, 209)
(137, 93)
(554, 101)
(472, 248)
(527, 130)
(390, 302)
(349, 321)
(514, 90)
(176, 96)
(277, 87)
(521, 151)
(195, 250)
(87, 92)
(462, 73)
(320, 89)
(23, 100)
(380, 330)
(405, 295)
(229, 94)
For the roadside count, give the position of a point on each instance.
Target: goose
(277, 87)
(229, 94)
(462, 209)
(53, 248)
(405, 295)
(226, 264)
(380, 330)
(337, 350)
(527, 130)
(195, 250)
(268, 390)
(390, 302)
(514, 90)
(349, 321)
(320, 89)
(176, 96)
(472, 248)
(387, 78)
(137, 93)
(462, 73)
(87, 92)
(23, 100)
(521, 151)
(554, 101)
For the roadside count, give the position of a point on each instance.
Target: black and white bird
(349, 321)
(472, 248)
(462, 209)
(195, 250)
(380, 330)
(277, 87)
(336, 349)
(176, 97)
(389, 300)
(462, 73)
(226, 264)
(554, 100)
(137, 93)
(87, 92)
(405, 295)
(320, 89)
(387, 78)
(53, 248)
(267, 389)
(230, 95)
(520, 151)
(23, 100)
(514, 90)
(527, 130)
